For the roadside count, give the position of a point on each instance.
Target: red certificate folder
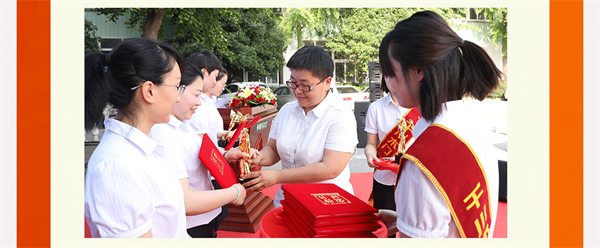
(326, 200)
(349, 228)
(214, 161)
(297, 208)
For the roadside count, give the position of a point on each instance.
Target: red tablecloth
(272, 226)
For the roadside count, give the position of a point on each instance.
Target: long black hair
(452, 67)
(109, 78)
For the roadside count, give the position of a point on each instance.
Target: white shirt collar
(137, 137)
(173, 121)
(207, 99)
(388, 100)
(320, 109)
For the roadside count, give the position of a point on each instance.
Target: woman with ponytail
(447, 185)
(129, 192)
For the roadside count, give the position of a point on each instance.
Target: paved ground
(490, 113)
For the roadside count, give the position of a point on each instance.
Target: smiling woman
(182, 146)
(128, 193)
(313, 137)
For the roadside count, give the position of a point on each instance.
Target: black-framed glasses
(304, 88)
(180, 88)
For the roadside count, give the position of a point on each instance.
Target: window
(477, 13)
(346, 90)
(107, 44)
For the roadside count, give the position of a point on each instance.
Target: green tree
(245, 39)
(147, 20)
(256, 41)
(358, 37)
(498, 23)
(91, 42)
(297, 23)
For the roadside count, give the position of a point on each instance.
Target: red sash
(388, 147)
(454, 168)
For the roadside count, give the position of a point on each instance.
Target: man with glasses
(313, 137)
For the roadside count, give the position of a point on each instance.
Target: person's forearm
(370, 149)
(203, 201)
(268, 156)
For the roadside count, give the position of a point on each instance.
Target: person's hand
(389, 218)
(255, 158)
(242, 197)
(262, 179)
(370, 158)
(224, 134)
(235, 154)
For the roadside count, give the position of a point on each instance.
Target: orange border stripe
(566, 123)
(33, 123)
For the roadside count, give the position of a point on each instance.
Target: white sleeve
(371, 119)
(422, 211)
(119, 199)
(202, 125)
(193, 121)
(342, 135)
(275, 124)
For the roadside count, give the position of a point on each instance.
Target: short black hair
(222, 73)
(205, 60)
(192, 73)
(314, 59)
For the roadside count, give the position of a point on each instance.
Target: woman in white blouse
(426, 65)
(312, 137)
(129, 192)
(382, 117)
(202, 202)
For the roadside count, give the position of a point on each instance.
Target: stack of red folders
(324, 210)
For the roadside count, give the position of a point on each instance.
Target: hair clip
(132, 67)
(105, 69)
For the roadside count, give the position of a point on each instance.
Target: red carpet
(363, 184)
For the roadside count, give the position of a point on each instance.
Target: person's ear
(328, 83)
(148, 90)
(416, 74)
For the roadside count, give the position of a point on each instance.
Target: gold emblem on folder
(331, 198)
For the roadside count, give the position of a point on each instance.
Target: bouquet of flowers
(252, 96)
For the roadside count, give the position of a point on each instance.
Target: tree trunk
(153, 23)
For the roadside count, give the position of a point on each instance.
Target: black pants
(209, 230)
(204, 231)
(383, 197)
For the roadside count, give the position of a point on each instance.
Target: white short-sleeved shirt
(183, 146)
(302, 138)
(422, 211)
(129, 189)
(381, 117)
(207, 119)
